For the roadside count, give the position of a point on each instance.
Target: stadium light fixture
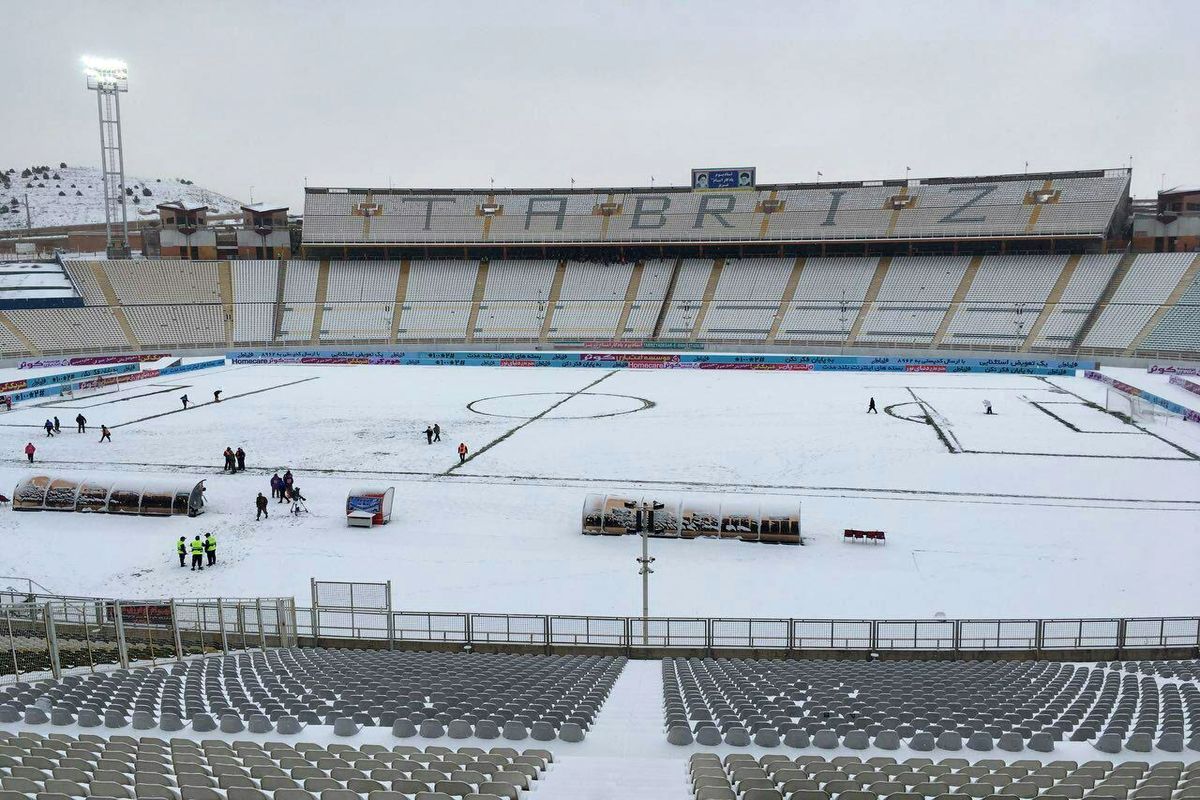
(106, 72)
(109, 78)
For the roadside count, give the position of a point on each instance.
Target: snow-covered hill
(75, 195)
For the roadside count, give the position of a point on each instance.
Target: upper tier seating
(948, 705)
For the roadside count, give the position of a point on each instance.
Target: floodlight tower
(108, 78)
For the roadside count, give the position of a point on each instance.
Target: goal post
(106, 384)
(1134, 408)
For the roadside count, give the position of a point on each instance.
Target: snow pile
(61, 195)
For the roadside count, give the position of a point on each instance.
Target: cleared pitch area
(1049, 507)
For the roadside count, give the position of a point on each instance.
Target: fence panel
(831, 634)
(591, 631)
(998, 634)
(751, 633)
(915, 635)
(415, 626)
(1080, 633)
(509, 628)
(1165, 632)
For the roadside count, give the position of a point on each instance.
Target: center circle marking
(614, 406)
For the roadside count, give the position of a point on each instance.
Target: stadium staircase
(631, 290)
(667, 299)
(477, 295)
(785, 302)
(960, 294)
(881, 270)
(225, 273)
(321, 296)
(1052, 300)
(19, 334)
(710, 289)
(1106, 296)
(401, 296)
(560, 271)
(1185, 281)
(280, 283)
(110, 297)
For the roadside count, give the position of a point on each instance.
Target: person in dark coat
(105, 434)
(276, 485)
(288, 480)
(57, 426)
(81, 422)
(49, 426)
(217, 396)
(437, 432)
(428, 435)
(241, 459)
(185, 401)
(260, 503)
(871, 407)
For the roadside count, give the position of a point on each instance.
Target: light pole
(108, 78)
(643, 523)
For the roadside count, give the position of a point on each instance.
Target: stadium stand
(813, 777)
(427, 694)
(944, 705)
(1091, 304)
(1079, 204)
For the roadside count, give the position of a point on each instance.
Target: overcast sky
(450, 94)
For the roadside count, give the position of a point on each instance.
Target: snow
(48, 209)
(32, 280)
(1034, 519)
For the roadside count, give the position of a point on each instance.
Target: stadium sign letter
(984, 191)
(640, 211)
(730, 201)
(835, 200)
(429, 201)
(559, 214)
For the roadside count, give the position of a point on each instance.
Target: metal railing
(721, 634)
(46, 637)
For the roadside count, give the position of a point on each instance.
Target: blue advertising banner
(660, 360)
(723, 178)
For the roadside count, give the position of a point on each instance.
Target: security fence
(714, 635)
(47, 637)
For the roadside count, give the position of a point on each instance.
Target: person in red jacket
(29, 451)
(462, 452)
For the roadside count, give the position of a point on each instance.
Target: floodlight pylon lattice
(109, 78)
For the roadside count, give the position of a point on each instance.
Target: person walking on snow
(230, 466)
(462, 452)
(987, 407)
(288, 480)
(197, 548)
(81, 422)
(185, 402)
(29, 451)
(260, 503)
(210, 548)
(217, 396)
(428, 435)
(49, 426)
(241, 459)
(276, 485)
(181, 546)
(105, 434)
(437, 432)
(57, 426)
(871, 407)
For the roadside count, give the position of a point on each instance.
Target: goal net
(1135, 409)
(103, 385)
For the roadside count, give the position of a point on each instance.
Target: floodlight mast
(108, 78)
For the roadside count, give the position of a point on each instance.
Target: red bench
(853, 535)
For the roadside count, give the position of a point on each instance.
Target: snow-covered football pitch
(1050, 507)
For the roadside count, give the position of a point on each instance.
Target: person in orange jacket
(462, 452)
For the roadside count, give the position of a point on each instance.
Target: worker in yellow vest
(182, 548)
(210, 547)
(197, 554)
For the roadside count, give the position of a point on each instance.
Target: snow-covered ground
(1048, 508)
(76, 197)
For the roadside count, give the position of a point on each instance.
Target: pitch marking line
(527, 422)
